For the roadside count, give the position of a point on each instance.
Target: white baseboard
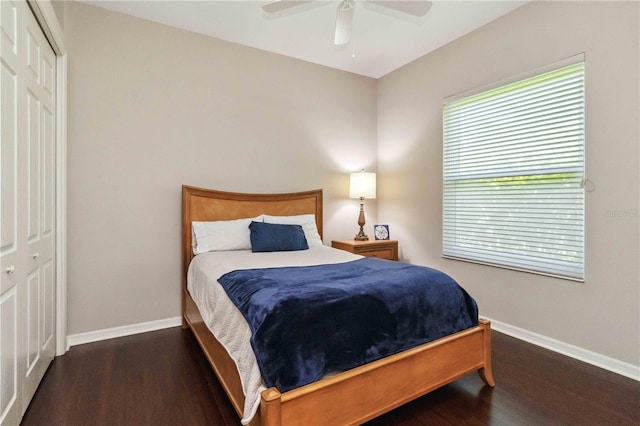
(126, 330)
(593, 358)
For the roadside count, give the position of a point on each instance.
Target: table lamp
(362, 185)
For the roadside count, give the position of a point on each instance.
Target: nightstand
(383, 249)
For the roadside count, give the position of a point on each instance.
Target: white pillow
(222, 235)
(307, 221)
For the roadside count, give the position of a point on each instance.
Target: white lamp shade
(362, 185)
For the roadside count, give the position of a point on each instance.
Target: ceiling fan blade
(411, 7)
(280, 5)
(344, 23)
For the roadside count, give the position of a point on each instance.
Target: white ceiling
(383, 40)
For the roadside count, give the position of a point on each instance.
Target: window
(513, 173)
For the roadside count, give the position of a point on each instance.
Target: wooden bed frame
(348, 398)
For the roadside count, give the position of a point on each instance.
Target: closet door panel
(48, 173)
(33, 169)
(33, 320)
(9, 376)
(48, 306)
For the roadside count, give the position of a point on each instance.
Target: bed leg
(486, 372)
(270, 407)
(183, 304)
(487, 376)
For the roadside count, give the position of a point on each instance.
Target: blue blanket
(309, 321)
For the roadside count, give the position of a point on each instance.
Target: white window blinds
(513, 168)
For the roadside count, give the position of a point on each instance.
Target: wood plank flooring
(162, 378)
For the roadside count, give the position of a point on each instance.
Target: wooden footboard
(359, 394)
(365, 392)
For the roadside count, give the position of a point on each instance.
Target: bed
(353, 396)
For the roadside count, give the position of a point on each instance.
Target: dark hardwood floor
(162, 378)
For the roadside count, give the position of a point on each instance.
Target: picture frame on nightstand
(381, 232)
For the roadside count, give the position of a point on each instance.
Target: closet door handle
(11, 269)
(36, 255)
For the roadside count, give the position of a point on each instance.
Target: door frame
(46, 17)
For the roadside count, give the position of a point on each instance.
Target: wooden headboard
(199, 204)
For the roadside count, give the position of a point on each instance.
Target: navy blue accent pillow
(277, 237)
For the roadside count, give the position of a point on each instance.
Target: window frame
(573, 60)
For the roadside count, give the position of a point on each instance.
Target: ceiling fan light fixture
(344, 23)
(344, 15)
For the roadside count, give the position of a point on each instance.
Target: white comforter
(226, 322)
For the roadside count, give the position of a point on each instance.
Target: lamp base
(361, 237)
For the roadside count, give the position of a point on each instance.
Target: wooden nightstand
(383, 249)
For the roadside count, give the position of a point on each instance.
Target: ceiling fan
(344, 15)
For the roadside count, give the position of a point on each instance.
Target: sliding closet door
(27, 252)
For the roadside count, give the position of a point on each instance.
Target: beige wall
(601, 315)
(151, 108)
